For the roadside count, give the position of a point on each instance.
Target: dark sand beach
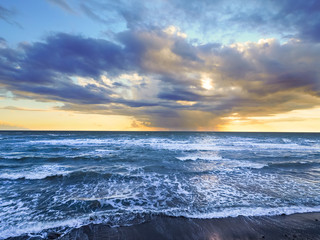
(295, 226)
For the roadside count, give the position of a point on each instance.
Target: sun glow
(206, 83)
(304, 120)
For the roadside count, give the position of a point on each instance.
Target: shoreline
(294, 226)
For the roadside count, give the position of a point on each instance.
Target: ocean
(64, 180)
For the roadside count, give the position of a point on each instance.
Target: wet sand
(295, 226)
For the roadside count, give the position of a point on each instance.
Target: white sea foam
(221, 162)
(246, 164)
(33, 227)
(200, 156)
(158, 193)
(104, 150)
(73, 142)
(214, 144)
(7, 231)
(250, 211)
(39, 172)
(197, 143)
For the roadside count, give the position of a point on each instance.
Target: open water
(63, 180)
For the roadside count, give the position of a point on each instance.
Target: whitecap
(39, 172)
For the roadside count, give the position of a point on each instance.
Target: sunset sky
(211, 65)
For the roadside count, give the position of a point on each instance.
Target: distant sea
(64, 180)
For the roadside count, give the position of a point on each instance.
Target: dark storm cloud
(46, 68)
(9, 60)
(70, 92)
(161, 79)
(179, 95)
(77, 55)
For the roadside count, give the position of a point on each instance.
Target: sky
(199, 65)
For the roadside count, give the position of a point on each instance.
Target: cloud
(163, 80)
(63, 5)
(92, 15)
(179, 95)
(3, 43)
(7, 16)
(9, 126)
(70, 54)
(303, 16)
(230, 18)
(299, 19)
(22, 109)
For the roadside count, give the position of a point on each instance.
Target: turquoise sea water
(63, 180)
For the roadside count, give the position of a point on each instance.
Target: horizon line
(195, 131)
